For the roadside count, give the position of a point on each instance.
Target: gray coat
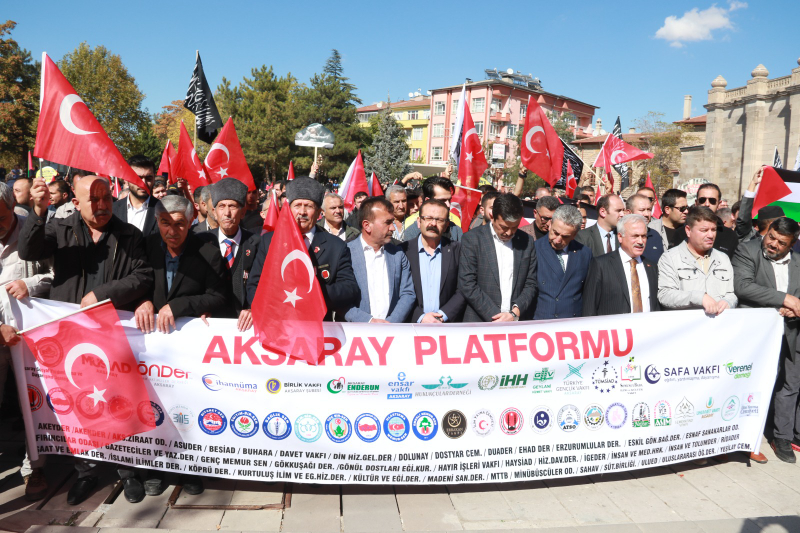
(682, 283)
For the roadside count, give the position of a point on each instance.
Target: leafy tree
(148, 144)
(563, 124)
(19, 98)
(168, 126)
(110, 92)
(388, 154)
(663, 140)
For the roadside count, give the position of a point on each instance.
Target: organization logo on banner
(215, 383)
(631, 377)
(88, 407)
(244, 424)
(684, 412)
(569, 418)
(708, 410)
(573, 381)
(400, 389)
(652, 375)
(488, 382)
(163, 375)
(150, 413)
(749, 406)
(662, 414)
(368, 427)
(512, 421)
(395, 426)
(212, 421)
(540, 381)
(273, 386)
(445, 387)
(336, 385)
(338, 428)
(307, 428)
(182, 417)
(604, 378)
(593, 417)
(35, 398)
(640, 416)
(120, 407)
(689, 373)
(277, 426)
(362, 388)
(293, 387)
(60, 401)
(454, 424)
(425, 425)
(541, 419)
(616, 415)
(514, 381)
(730, 408)
(482, 422)
(739, 371)
(49, 352)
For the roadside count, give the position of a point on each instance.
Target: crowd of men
(401, 257)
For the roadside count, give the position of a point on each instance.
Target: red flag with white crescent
(572, 183)
(656, 205)
(168, 162)
(541, 149)
(616, 151)
(187, 164)
(225, 158)
(471, 166)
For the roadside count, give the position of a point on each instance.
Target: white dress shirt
(564, 256)
(505, 269)
(136, 216)
(603, 238)
(309, 237)
(644, 285)
(377, 280)
(337, 233)
(237, 240)
(781, 269)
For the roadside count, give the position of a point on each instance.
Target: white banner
(423, 404)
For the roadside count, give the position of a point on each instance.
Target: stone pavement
(723, 496)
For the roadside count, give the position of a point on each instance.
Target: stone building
(742, 128)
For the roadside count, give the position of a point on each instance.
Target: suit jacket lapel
(598, 239)
(571, 265)
(447, 258)
(794, 274)
(360, 271)
(769, 272)
(317, 242)
(616, 264)
(182, 265)
(416, 275)
(389, 259)
(516, 245)
(491, 252)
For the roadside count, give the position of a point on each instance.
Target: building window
(478, 105)
(398, 115)
(511, 132)
(417, 135)
(426, 114)
(494, 129)
(496, 105)
(436, 155)
(438, 108)
(452, 128)
(364, 117)
(479, 128)
(416, 153)
(523, 110)
(438, 130)
(413, 115)
(454, 109)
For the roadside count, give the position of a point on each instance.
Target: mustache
(101, 212)
(433, 229)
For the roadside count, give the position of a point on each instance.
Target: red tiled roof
(425, 102)
(692, 120)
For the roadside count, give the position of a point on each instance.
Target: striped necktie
(229, 257)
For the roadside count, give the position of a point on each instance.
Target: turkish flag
(226, 159)
(357, 182)
(771, 189)
(290, 175)
(69, 134)
(572, 183)
(92, 377)
(616, 151)
(656, 205)
(375, 186)
(167, 162)
(288, 310)
(271, 220)
(187, 165)
(541, 150)
(471, 166)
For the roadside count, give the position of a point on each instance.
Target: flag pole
(82, 309)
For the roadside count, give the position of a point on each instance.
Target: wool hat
(302, 188)
(229, 189)
(770, 211)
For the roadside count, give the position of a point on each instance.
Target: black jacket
(242, 265)
(200, 284)
(127, 276)
(334, 268)
(451, 301)
(252, 221)
(606, 288)
(120, 210)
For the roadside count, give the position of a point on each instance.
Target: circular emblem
(395, 426)
(482, 422)
(48, 352)
(604, 378)
(277, 426)
(212, 421)
(244, 424)
(488, 382)
(593, 417)
(512, 421)
(211, 382)
(368, 427)
(335, 386)
(454, 424)
(182, 417)
(325, 274)
(120, 407)
(730, 408)
(569, 418)
(338, 428)
(425, 425)
(651, 374)
(60, 401)
(150, 413)
(88, 407)
(401, 376)
(35, 397)
(273, 386)
(307, 428)
(541, 419)
(616, 415)
(640, 417)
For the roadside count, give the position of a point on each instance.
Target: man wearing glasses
(434, 263)
(708, 195)
(675, 207)
(543, 216)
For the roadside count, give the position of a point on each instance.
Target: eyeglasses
(682, 208)
(544, 218)
(712, 201)
(434, 219)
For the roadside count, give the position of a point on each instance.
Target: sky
(628, 58)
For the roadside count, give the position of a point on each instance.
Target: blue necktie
(229, 257)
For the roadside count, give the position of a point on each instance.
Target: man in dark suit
(766, 273)
(252, 221)
(434, 267)
(563, 266)
(497, 268)
(640, 205)
(139, 208)
(329, 254)
(601, 238)
(237, 245)
(623, 281)
(542, 216)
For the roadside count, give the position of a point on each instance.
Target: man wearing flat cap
(237, 245)
(329, 254)
(744, 221)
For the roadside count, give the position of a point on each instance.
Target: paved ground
(729, 496)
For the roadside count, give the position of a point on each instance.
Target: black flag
(576, 163)
(622, 168)
(200, 101)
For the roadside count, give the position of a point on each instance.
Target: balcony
(498, 116)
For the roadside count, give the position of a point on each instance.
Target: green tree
(110, 92)
(146, 143)
(663, 140)
(19, 98)
(388, 154)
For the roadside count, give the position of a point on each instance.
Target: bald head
(93, 199)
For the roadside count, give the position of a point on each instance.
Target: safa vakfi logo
(215, 383)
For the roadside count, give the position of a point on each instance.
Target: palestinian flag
(779, 187)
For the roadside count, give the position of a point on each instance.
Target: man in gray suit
(381, 268)
(601, 238)
(766, 273)
(497, 269)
